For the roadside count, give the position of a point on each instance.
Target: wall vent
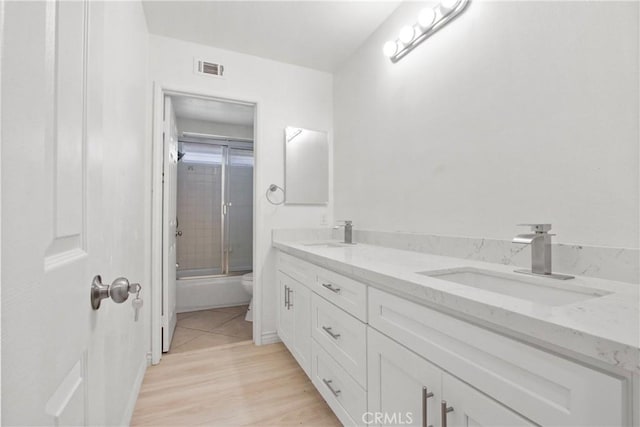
(208, 68)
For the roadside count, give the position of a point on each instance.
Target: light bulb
(389, 49)
(406, 34)
(448, 5)
(426, 18)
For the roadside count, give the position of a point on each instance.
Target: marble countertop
(605, 328)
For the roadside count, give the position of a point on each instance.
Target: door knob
(179, 233)
(119, 290)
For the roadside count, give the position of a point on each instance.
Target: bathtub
(202, 293)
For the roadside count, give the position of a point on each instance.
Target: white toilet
(247, 284)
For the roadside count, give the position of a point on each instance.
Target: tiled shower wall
(199, 216)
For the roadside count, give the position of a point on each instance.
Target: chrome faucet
(540, 241)
(348, 231)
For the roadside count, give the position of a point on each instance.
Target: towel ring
(272, 189)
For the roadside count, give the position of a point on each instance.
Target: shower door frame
(226, 143)
(160, 90)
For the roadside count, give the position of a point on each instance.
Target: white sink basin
(329, 244)
(539, 290)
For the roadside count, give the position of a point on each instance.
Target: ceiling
(212, 111)
(314, 34)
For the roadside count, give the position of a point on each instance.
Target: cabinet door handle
(330, 332)
(286, 297)
(444, 410)
(289, 292)
(328, 384)
(426, 394)
(331, 288)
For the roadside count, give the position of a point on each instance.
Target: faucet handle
(346, 222)
(538, 228)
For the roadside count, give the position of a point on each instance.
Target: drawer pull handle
(329, 331)
(334, 391)
(444, 410)
(426, 394)
(331, 288)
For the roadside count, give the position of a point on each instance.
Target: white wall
(214, 128)
(515, 112)
(287, 95)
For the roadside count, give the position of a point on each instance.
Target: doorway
(204, 254)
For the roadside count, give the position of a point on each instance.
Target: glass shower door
(200, 234)
(239, 218)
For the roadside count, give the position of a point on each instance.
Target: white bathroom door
(169, 224)
(52, 211)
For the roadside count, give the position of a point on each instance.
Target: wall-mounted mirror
(306, 167)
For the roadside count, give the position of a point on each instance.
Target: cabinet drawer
(343, 395)
(547, 389)
(343, 336)
(346, 293)
(300, 270)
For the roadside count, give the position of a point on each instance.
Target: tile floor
(210, 328)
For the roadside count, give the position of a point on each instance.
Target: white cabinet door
(169, 225)
(294, 319)
(285, 311)
(300, 301)
(403, 387)
(467, 407)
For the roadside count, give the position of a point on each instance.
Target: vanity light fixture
(430, 20)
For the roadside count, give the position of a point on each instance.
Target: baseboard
(135, 391)
(270, 338)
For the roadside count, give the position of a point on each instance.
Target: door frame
(160, 90)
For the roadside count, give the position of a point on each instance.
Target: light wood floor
(230, 385)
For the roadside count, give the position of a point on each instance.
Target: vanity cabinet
(294, 318)
(380, 359)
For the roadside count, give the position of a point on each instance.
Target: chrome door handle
(289, 292)
(425, 396)
(328, 384)
(444, 410)
(328, 330)
(331, 288)
(118, 290)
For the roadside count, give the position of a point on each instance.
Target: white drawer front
(343, 336)
(548, 389)
(345, 397)
(346, 293)
(300, 270)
